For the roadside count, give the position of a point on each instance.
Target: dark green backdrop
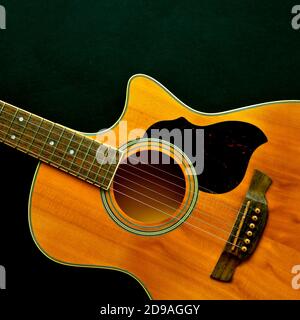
(69, 61)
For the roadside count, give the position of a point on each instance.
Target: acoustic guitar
(192, 205)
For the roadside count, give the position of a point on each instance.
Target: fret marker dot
(51, 143)
(71, 152)
(21, 119)
(13, 137)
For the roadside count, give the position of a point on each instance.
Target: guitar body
(71, 225)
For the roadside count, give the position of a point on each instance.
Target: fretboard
(58, 146)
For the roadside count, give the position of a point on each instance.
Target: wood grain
(70, 224)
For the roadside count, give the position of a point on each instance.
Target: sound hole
(149, 193)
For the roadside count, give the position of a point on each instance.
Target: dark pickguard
(228, 149)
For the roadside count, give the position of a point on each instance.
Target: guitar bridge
(247, 230)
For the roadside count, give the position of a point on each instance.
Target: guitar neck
(58, 146)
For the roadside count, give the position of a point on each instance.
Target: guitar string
(75, 132)
(34, 124)
(197, 210)
(152, 190)
(91, 171)
(223, 204)
(170, 174)
(207, 232)
(151, 199)
(152, 182)
(166, 172)
(234, 210)
(197, 218)
(228, 232)
(185, 222)
(201, 229)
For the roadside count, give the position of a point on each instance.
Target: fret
(75, 159)
(80, 152)
(33, 142)
(93, 165)
(72, 158)
(55, 149)
(63, 158)
(2, 107)
(3, 131)
(46, 141)
(41, 137)
(8, 110)
(17, 129)
(85, 161)
(22, 138)
(117, 160)
(13, 137)
(43, 150)
(100, 171)
(108, 169)
(54, 144)
(105, 174)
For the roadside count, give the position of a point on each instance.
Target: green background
(69, 61)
